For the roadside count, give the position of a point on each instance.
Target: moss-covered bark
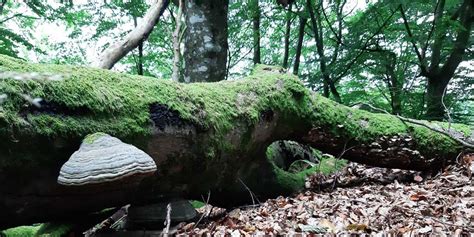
(203, 136)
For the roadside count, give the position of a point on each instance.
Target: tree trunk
(205, 40)
(317, 31)
(204, 137)
(434, 98)
(299, 46)
(138, 35)
(255, 9)
(139, 62)
(441, 70)
(286, 54)
(394, 84)
(177, 43)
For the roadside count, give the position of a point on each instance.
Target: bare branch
(118, 50)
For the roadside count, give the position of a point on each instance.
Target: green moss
(38, 230)
(21, 231)
(363, 126)
(89, 139)
(330, 165)
(53, 230)
(296, 181)
(118, 104)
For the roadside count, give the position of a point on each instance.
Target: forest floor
(363, 200)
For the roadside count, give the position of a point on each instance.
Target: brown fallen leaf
(419, 196)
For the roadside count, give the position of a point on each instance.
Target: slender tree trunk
(139, 62)
(325, 89)
(299, 46)
(317, 31)
(255, 9)
(286, 54)
(205, 41)
(394, 83)
(140, 59)
(177, 43)
(396, 96)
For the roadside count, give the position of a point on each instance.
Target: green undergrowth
(37, 230)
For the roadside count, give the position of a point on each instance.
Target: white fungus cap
(102, 159)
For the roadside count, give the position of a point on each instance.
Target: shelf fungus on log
(104, 159)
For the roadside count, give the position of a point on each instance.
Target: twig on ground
(167, 221)
(252, 194)
(110, 222)
(336, 175)
(446, 108)
(208, 213)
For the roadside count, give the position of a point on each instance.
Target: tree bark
(204, 137)
(138, 35)
(139, 62)
(286, 54)
(394, 83)
(318, 36)
(205, 40)
(255, 9)
(177, 43)
(299, 46)
(434, 98)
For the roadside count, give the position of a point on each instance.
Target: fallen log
(203, 137)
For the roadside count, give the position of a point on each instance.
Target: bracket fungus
(103, 159)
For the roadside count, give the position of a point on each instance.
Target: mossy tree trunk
(203, 136)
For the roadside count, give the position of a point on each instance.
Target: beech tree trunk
(205, 40)
(204, 137)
